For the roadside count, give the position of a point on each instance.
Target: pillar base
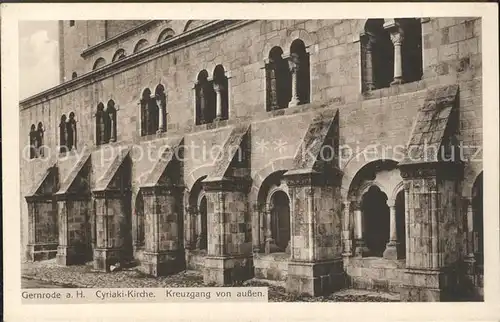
(470, 264)
(70, 255)
(360, 250)
(293, 102)
(104, 258)
(315, 278)
(397, 81)
(227, 270)
(39, 252)
(392, 251)
(428, 286)
(161, 264)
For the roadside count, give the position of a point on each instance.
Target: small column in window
(397, 38)
(294, 65)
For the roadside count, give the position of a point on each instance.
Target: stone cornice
(445, 170)
(72, 196)
(298, 178)
(110, 194)
(173, 44)
(89, 51)
(40, 198)
(161, 190)
(239, 184)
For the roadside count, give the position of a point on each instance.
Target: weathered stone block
(227, 270)
(315, 278)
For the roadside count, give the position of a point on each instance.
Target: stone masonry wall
(386, 116)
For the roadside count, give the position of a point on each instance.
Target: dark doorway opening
(401, 224)
(139, 220)
(203, 238)
(280, 214)
(376, 217)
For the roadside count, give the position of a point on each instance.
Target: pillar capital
(397, 37)
(355, 205)
(218, 88)
(391, 203)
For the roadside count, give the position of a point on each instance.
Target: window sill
(111, 143)
(394, 90)
(67, 154)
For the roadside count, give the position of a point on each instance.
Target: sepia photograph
(338, 159)
(252, 160)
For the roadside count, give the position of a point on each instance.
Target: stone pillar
(470, 260)
(218, 101)
(112, 127)
(397, 40)
(315, 267)
(294, 65)
(161, 119)
(346, 230)
(256, 224)
(360, 248)
(162, 251)
(368, 72)
(433, 245)
(226, 262)
(392, 247)
(74, 242)
(190, 237)
(269, 234)
(272, 86)
(113, 228)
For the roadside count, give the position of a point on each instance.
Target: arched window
(411, 49)
(299, 66)
(33, 141)
(63, 134)
(39, 136)
(71, 132)
(391, 52)
(149, 113)
(110, 122)
(205, 99)
(278, 80)
(100, 121)
(141, 44)
(100, 62)
(221, 92)
(197, 221)
(165, 34)
(161, 104)
(119, 54)
(378, 55)
(74, 75)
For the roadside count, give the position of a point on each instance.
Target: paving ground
(48, 274)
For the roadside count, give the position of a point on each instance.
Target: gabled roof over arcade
(435, 127)
(163, 171)
(77, 181)
(320, 139)
(110, 178)
(46, 185)
(229, 154)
